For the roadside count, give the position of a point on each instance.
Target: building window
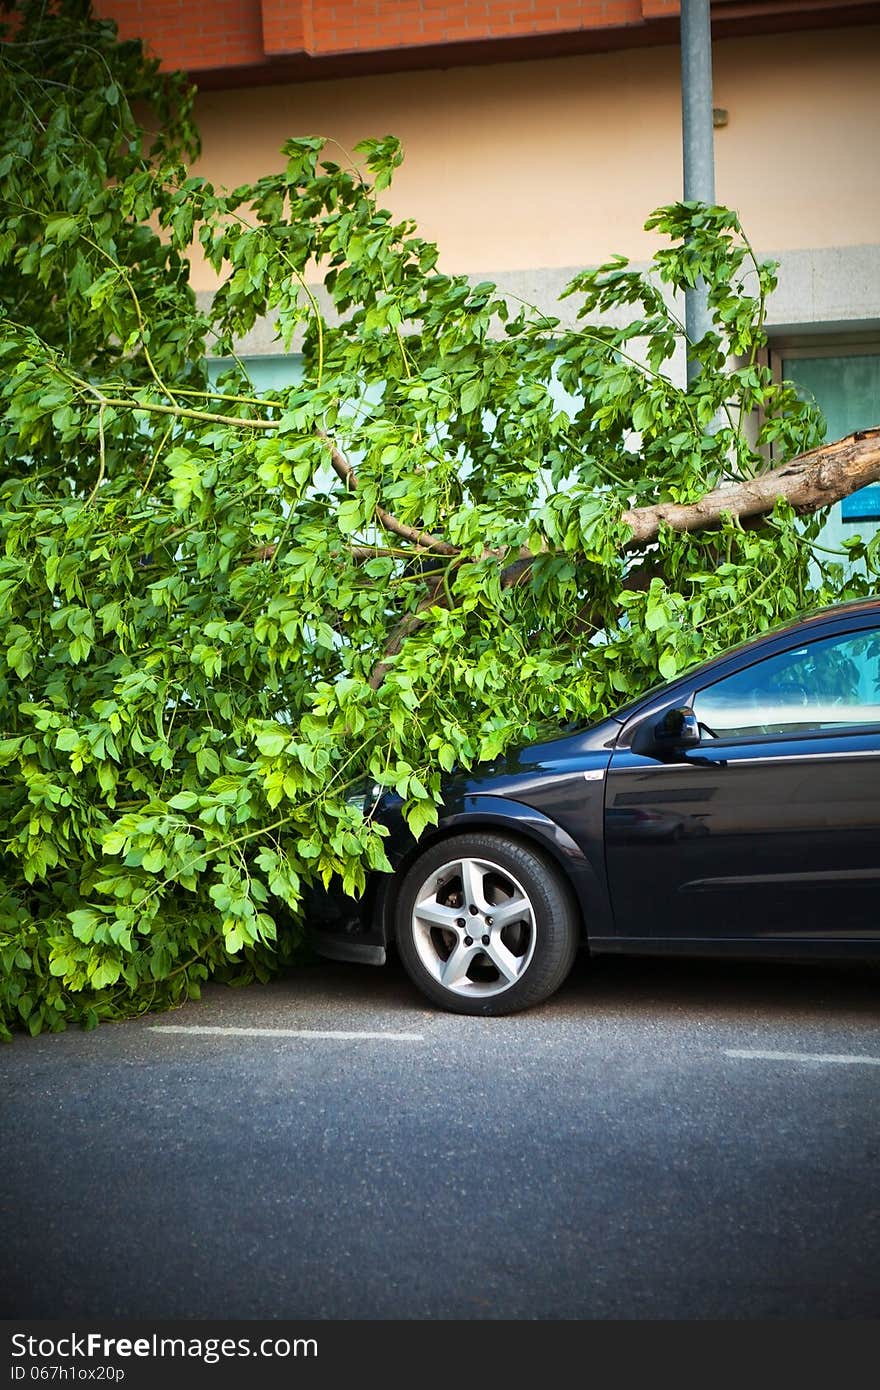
(844, 381)
(271, 372)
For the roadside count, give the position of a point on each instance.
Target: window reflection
(829, 684)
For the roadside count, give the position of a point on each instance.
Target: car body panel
(769, 841)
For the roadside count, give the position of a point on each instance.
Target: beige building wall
(555, 164)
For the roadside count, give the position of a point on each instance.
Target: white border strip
(841, 1058)
(285, 1033)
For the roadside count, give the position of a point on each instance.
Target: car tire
(485, 925)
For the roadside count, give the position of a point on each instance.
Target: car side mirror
(673, 732)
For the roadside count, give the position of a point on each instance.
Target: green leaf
(656, 616)
(61, 229)
(271, 743)
(184, 801)
(84, 922)
(668, 664)
(471, 395)
(419, 815)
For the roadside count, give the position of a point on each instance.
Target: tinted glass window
(829, 684)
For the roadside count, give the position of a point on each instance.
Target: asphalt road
(611, 1155)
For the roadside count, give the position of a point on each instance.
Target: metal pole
(697, 143)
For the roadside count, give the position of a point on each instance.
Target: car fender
(482, 811)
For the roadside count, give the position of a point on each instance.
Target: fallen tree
(221, 610)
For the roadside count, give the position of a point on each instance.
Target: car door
(769, 829)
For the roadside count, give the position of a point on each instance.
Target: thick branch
(811, 481)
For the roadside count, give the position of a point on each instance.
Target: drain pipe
(697, 145)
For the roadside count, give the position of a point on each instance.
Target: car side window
(833, 683)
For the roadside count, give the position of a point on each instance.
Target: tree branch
(407, 624)
(423, 540)
(808, 482)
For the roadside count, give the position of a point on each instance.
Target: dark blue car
(735, 810)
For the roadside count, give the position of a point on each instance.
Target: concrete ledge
(821, 290)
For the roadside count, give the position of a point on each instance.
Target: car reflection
(633, 823)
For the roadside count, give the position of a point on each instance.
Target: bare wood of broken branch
(810, 481)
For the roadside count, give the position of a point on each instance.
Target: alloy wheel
(473, 927)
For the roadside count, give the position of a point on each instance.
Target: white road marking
(287, 1033)
(841, 1058)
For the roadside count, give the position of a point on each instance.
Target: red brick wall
(203, 35)
(287, 26)
(192, 34)
(196, 34)
(346, 25)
